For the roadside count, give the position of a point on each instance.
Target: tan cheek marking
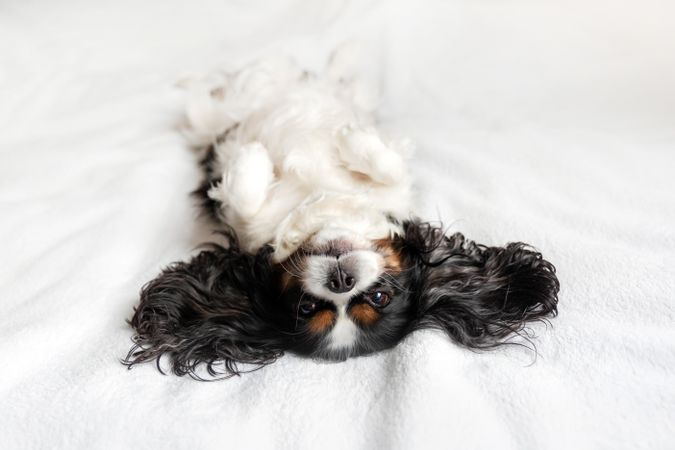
(364, 314)
(392, 260)
(392, 263)
(321, 321)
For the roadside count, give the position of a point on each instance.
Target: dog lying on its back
(323, 259)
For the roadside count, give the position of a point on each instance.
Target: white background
(547, 122)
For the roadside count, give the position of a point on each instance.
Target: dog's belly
(293, 212)
(325, 167)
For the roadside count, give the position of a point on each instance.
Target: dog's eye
(307, 308)
(378, 298)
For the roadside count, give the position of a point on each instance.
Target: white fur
(244, 186)
(304, 159)
(344, 333)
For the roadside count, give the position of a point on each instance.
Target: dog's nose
(340, 280)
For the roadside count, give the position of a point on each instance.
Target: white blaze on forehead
(344, 333)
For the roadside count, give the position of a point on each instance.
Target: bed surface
(552, 124)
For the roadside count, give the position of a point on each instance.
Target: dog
(322, 257)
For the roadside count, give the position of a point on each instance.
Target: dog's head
(346, 295)
(338, 296)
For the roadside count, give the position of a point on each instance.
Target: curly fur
(223, 307)
(321, 259)
(477, 294)
(211, 310)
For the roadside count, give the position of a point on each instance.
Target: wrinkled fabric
(548, 123)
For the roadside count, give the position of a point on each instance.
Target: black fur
(212, 208)
(210, 166)
(226, 307)
(478, 295)
(214, 309)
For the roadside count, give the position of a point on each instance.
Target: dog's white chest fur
(298, 155)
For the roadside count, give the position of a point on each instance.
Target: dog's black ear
(214, 310)
(478, 295)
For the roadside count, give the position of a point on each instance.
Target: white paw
(247, 179)
(363, 151)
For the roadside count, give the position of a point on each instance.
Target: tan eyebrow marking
(321, 321)
(364, 314)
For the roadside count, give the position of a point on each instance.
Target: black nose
(340, 281)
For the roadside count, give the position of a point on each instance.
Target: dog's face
(338, 296)
(346, 295)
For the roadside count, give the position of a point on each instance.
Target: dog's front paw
(363, 151)
(246, 180)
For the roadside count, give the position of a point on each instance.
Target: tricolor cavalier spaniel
(322, 257)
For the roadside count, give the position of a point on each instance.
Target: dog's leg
(246, 180)
(363, 151)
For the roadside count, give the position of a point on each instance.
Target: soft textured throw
(545, 122)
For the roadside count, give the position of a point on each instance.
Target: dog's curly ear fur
(209, 310)
(478, 295)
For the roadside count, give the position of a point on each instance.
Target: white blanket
(546, 122)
